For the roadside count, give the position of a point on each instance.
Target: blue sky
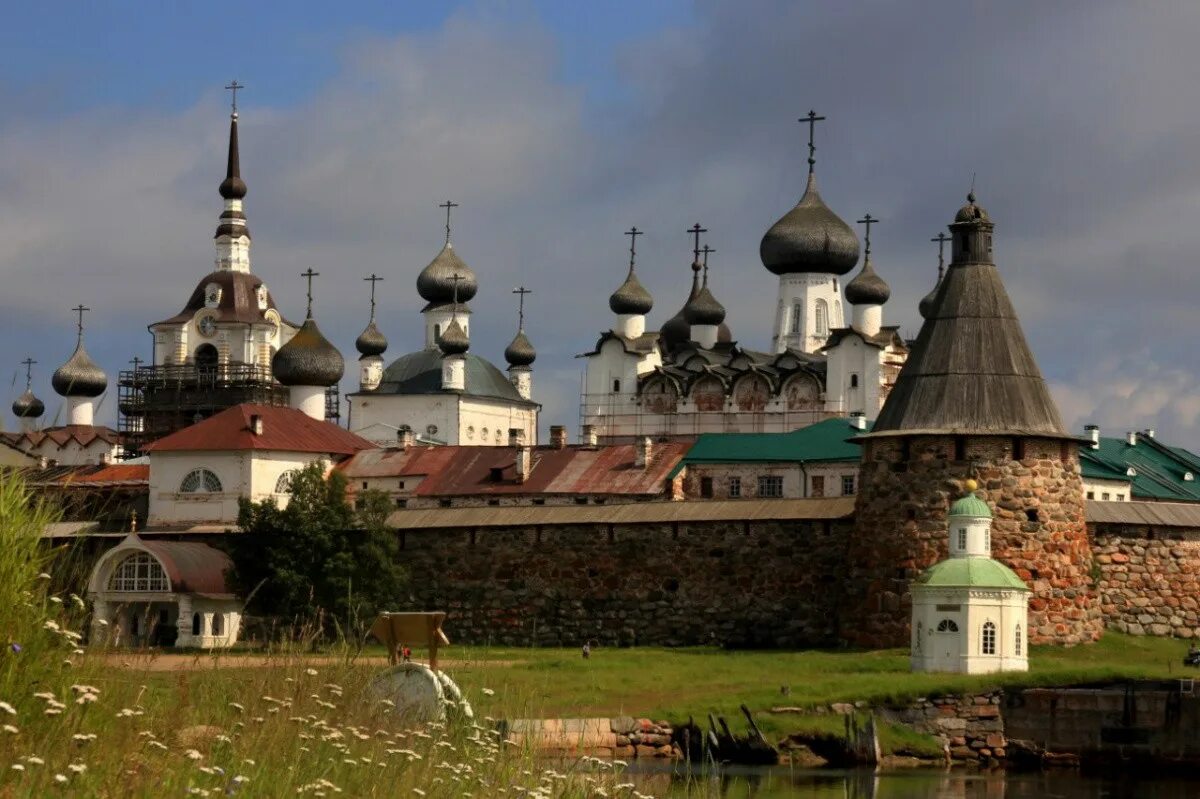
(558, 125)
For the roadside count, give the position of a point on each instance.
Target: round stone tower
(970, 403)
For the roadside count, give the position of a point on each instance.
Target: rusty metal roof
(734, 510)
(1155, 514)
(467, 471)
(82, 434)
(194, 568)
(284, 430)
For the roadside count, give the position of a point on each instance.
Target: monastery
(807, 494)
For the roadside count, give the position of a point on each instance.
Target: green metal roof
(822, 442)
(970, 505)
(420, 372)
(1159, 468)
(971, 573)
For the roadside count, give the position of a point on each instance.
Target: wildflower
(35, 760)
(311, 672)
(249, 762)
(240, 780)
(10, 729)
(192, 754)
(240, 708)
(418, 792)
(15, 647)
(51, 624)
(78, 768)
(56, 600)
(85, 699)
(43, 576)
(158, 745)
(66, 661)
(60, 777)
(102, 622)
(77, 601)
(76, 651)
(7, 708)
(17, 767)
(83, 737)
(488, 692)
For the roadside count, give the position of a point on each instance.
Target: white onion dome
(27, 406)
(520, 351)
(79, 376)
(867, 287)
(435, 284)
(453, 340)
(810, 238)
(308, 359)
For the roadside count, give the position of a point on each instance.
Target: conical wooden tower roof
(971, 370)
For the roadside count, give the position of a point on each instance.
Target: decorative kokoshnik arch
(163, 593)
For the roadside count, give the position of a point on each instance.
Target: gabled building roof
(1160, 472)
(420, 372)
(823, 442)
(82, 434)
(573, 470)
(283, 430)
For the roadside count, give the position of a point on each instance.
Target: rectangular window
(735, 487)
(401, 485)
(1017, 642)
(539, 501)
(848, 485)
(818, 485)
(445, 503)
(364, 485)
(706, 487)
(962, 538)
(797, 317)
(1091, 495)
(770, 485)
(402, 503)
(1104, 496)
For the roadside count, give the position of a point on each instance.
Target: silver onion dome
(810, 238)
(867, 287)
(79, 376)
(520, 351)
(308, 359)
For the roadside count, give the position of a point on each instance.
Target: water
(782, 782)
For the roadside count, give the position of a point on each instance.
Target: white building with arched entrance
(163, 593)
(970, 613)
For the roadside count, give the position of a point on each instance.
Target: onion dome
(810, 238)
(703, 309)
(79, 376)
(520, 352)
(27, 406)
(435, 284)
(233, 187)
(867, 287)
(925, 306)
(677, 329)
(631, 297)
(308, 359)
(453, 340)
(371, 341)
(971, 212)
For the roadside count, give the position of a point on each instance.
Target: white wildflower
(78, 768)
(10, 729)
(56, 600)
(311, 672)
(51, 624)
(192, 754)
(158, 745)
(17, 767)
(488, 692)
(35, 760)
(43, 576)
(60, 777)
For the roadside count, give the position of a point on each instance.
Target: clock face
(207, 326)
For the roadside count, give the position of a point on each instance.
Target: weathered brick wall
(906, 486)
(1149, 584)
(749, 584)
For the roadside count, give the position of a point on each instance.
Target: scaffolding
(155, 401)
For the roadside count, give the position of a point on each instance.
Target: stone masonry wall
(971, 726)
(1149, 584)
(906, 486)
(744, 584)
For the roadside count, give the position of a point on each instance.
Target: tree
(317, 558)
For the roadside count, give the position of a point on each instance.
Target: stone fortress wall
(1149, 583)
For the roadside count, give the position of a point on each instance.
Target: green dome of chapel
(971, 573)
(971, 505)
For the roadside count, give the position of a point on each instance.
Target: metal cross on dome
(448, 205)
(309, 275)
(633, 233)
(373, 279)
(80, 309)
(28, 364)
(521, 291)
(941, 239)
(234, 87)
(455, 278)
(696, 230)
(706, 250)
(812, 119)
(867, 220)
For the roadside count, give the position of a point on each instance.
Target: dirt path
(203, 660)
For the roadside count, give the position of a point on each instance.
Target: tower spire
(233, 187)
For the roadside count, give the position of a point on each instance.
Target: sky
(557, 126)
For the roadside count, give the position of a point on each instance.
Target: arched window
(988, 640)
(139, 572)
(206, 358)
(195, 624)
(821, 317)
(854, 380)
(284, 484)
(218, 624)
(616, 386)
(200, 481)
(1017, 641)
(947, 626)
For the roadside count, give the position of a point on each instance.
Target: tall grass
(75, 725)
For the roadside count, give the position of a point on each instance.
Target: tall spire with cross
(867, 288)
(631, 301)
(436, 286)
(702, 312)
(233, 236)
(520, 351)
(80, 380)
(371, 342)
(308, 363)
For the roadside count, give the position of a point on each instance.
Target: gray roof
(809, 238)
(631, 297)
(453, 340)
(371, 341)
(703, 309)
(308, 359)
(970, 369)
(420, 372)
(27, 406)
(520, 351)
(238, 303)
(435, 284)
(867, 287)
(79, 376)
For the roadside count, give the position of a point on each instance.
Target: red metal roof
(194, 568)
(83, 434)
(284, 430)
(115, 474)
(458, 471)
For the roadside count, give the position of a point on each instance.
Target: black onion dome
(27, 406)
(677, 330)
(371, 341)
(435, 284)
(810, 238)
(867, 287)
(79, 376)
(631, 297)
(520, 351)
(453, 340)
(308, 359)
(971, 212)
(925, 306)
(703, 309)
(233, 187)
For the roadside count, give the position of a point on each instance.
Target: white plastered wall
(969, 609)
